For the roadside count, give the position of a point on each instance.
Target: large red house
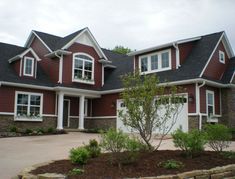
(71, 82)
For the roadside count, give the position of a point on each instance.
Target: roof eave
(58, 52)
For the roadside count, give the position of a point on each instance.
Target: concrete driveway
(19, 152)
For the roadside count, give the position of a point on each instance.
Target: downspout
(198, 103)
(177, 54)
(60, 67)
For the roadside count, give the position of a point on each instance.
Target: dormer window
(221, 57)
(83, 68)
(155, 62)
(28, 66)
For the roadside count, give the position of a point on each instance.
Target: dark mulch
(147, 165)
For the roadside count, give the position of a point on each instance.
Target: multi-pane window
(221, 57)
(83, 67)
(144, 64)
(210, 103)
(155, 62)
(28, 66)
(165, 59)
(28, 105)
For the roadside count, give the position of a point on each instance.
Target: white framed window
(155, 62)
(221, 57)
(83, 68)
(28, 106)
(210, 103)
(28, 66)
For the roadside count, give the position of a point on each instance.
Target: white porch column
(60, 110)
(81, 112)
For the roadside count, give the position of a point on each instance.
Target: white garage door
(181, 122)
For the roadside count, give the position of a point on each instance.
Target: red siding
(106, 105)
(50, 66)
(68, 63)
(7, 102)
(215, 68)
(16, 66)
(203, 99)
(185, 50)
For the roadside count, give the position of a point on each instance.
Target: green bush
(93, 148)
(228, 154)
(113, 141)
(171, 164)
(134, 145)
(13, 129)
(218, 136)
(79, 155)
(192, 143)
(50, 130)
(28, 131)
(40, 130)
(76, 171)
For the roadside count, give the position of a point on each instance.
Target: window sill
(29, 119)
(84, 81)
(155, 71)
(212, 119)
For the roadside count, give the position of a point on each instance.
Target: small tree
(144, 98)
(121, 49)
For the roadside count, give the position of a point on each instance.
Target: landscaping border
(224, 172)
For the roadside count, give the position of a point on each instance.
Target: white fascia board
(230, 49)
(163, 46)
(29, 40)
(208, 61)
(97, 47)
(24, 53)
(232, 77)
(26, 85)
(42, 41)
(58, 52)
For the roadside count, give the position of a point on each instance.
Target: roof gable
(20, 55)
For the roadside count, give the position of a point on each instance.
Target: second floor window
(28, 66)
(155, 62)
(83, 68)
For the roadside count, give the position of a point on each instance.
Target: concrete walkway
(19, 152)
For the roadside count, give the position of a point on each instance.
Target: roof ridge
(36, 31)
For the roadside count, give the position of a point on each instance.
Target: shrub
(113, 141)
(40, 130)
(76, 171)
(79, 155)
(50, 130)
(135, 145)
(93, 148)
(13, 129)
(171, 164)
(192, 143)
(218, 136)
(228, 154)
(28, 131)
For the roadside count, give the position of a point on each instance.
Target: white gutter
(198, 106)
(26, 85)
(60, 67)
(177, 54)
(58, 52)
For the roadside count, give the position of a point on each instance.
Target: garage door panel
(180, 123)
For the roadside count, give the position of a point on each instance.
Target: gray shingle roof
(229, 71)
(8, 73)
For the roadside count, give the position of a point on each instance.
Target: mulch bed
(147, 165)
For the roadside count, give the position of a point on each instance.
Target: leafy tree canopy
(121, 49)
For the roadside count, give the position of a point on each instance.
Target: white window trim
(159, 62)
(16, 118)
(213, 94)
(221, 53)
(32, 70)
(93, 70)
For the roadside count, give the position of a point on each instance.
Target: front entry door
(66, 113)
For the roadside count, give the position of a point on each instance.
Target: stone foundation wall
(228, 107)
(227, 172)
(96, 123)
(193, 122)
(6, 121)
(73, 123)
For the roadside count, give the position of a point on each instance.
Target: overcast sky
(136, 24)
